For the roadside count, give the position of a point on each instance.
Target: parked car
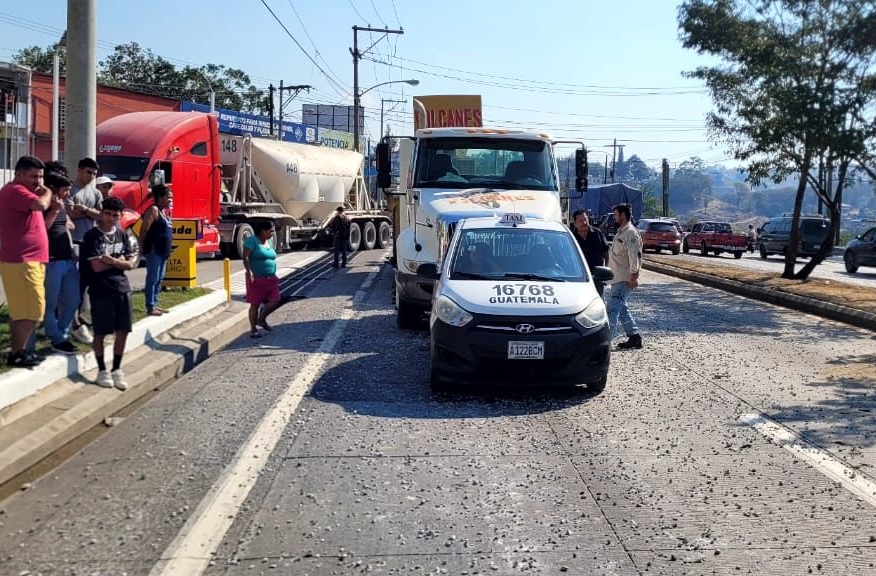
(715, 237)
(658, 234)
(775, 234)
(861, 251)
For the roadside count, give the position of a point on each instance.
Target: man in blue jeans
(62, 274)
(625, 260)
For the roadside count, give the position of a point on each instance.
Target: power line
(316, 51)
(532, 89)
(544, 82)
(394, 11)
(356, 10)
(331, 80)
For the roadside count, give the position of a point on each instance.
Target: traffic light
(384, 165)
(581, 169)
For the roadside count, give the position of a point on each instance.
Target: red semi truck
(227, 182)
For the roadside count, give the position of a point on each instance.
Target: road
(741, 439)
(831, 269)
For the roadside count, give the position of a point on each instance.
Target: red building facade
(110, 102)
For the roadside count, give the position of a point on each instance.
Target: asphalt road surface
(739, 440)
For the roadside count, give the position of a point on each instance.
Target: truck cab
(183, 147)
(455, 173)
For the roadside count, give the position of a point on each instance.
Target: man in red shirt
(24, 251)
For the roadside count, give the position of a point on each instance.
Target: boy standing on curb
(107, 250)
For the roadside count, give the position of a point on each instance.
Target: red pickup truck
(715, 237)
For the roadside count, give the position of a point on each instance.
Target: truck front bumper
(413, 289)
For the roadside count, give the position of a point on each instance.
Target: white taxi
(514, 300)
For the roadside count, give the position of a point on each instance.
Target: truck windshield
(123, 168)
(485, 162)
(519, 253)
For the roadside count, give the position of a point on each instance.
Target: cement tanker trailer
(298, 187)
(228, 182)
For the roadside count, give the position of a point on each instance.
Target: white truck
(448, 174)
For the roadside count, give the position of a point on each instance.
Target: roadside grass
(832, 291)
(167, 299)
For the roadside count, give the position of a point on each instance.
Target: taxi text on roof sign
(513, 218)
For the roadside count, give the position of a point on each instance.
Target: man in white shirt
(625, 260)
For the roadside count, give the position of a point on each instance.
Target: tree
(41, 59)
(637, 171)
(795, 90)
(132, 67)
(689, 185)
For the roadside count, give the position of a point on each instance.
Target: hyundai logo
(525, 328)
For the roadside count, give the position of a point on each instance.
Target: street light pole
(382, 100)
(80, 130)
(356, 56)
(56, 94)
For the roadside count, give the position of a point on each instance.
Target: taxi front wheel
(597, 387)
(435, 382)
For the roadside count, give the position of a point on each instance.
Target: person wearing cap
(104, 184)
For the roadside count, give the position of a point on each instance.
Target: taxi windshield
(525, 254)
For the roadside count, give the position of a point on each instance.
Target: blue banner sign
(240, 123)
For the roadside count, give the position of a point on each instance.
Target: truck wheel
(134, 244)
(685, 247)
(384, 235)
(407, 316)
(243, 232)
(851, 262)
(737, 254)
(703, 250)
(763, 252)
(369, 236)
(675, 251)
(355, 237)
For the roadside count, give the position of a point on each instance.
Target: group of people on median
(624, 257)
(63, 251)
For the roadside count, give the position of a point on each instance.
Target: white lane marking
(193, 548)
(852, 480)
(238, 280)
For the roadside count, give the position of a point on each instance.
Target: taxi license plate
(817, 247)
(528, 350)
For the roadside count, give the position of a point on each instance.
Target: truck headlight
(592, 316)
(450, 312)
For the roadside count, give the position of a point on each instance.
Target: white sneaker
(118, 378)
(83, 334)
(104, 379)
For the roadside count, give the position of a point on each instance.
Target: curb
(173, 354)
(19, 383)
(845, 314)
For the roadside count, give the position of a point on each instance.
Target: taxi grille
(511, 327)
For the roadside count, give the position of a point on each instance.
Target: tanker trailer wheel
(384, 235)
(369, 236)
(355, 237)
(243, 232)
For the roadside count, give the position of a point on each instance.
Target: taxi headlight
(592, 316)
(450, 312)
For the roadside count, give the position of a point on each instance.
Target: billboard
(448, 110)
(332, 117)
(240, 123)
(335, 139)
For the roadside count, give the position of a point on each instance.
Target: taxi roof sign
(513, 218)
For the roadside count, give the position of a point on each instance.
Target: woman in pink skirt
(262, 284)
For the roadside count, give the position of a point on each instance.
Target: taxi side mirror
(428, 270)
(602, 275)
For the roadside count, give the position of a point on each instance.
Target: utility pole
(356, 56)
(295, 90)
(271, 106)
(56, 94)
(614, 148)
(665, 176)
(80, 132)
(382, 101)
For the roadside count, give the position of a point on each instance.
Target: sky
(578, 69)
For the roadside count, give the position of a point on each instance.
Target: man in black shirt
(591, 240)
(62, 275)
(106, 250)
